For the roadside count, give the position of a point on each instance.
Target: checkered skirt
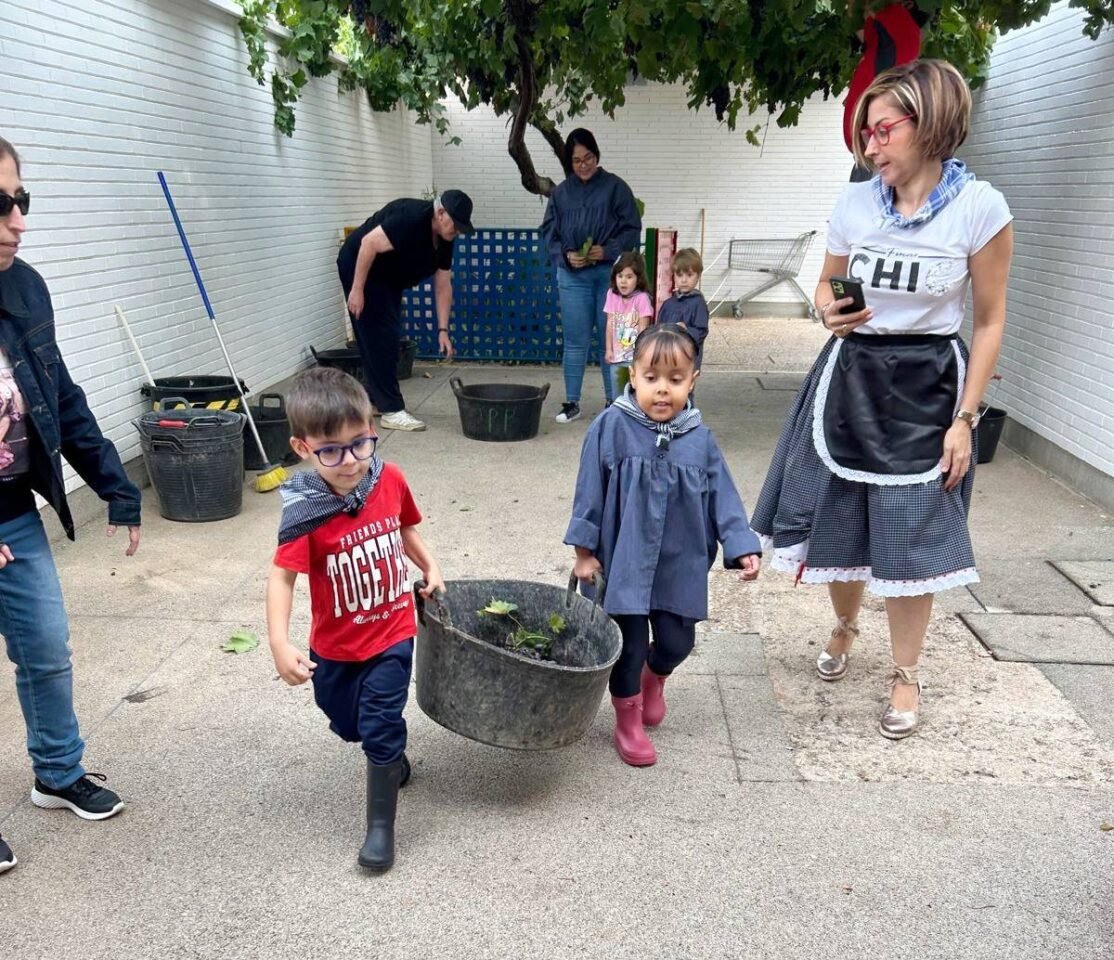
(902, 540)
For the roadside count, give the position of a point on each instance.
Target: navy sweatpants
(364, 699)
(674, 638)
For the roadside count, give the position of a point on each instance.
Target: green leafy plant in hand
(585, 247)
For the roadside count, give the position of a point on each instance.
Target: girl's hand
(586, 568)
(842, 324)
(293, 666)
(957, 454)
(5, 555)
(576, 261)
(750, 566)
(596, 254)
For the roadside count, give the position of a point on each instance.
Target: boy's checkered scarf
(308, 502)
(688, 419)
(955, 178)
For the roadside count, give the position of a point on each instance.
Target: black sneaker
(569, 413)
(7, 858)
(83, 797)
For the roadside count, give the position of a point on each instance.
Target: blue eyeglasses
(333, 454)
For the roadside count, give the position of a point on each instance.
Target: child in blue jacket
(687, 305)
(654, 500)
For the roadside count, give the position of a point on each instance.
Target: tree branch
(520, 14)
(548, 129)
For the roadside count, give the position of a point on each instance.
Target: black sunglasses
(22, 199)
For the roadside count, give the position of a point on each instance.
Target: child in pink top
(629, 311)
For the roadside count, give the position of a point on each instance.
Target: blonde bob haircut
(937, 96)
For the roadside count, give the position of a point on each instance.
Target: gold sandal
(834, 667)
(898, 724)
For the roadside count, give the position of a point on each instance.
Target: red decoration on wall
(891, 37)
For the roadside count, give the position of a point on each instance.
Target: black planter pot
(499, 412)
(494, 696)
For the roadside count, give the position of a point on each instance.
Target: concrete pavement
(778, 823)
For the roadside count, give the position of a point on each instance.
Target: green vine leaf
(242, 641)
(549, 63)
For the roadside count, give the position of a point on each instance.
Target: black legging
(674, 637)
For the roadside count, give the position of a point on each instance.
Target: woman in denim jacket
(44, 416)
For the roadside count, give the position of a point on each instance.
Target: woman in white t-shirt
(871, 481)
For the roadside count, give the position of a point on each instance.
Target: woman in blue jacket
(597, 206)
(43, 417)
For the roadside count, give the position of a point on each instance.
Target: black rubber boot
(378, 851)
(405, 778)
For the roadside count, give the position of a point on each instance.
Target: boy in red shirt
(350, 525)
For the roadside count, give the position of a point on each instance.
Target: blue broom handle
(212, 316)
(186, 246)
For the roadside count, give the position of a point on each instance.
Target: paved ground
(777, 824)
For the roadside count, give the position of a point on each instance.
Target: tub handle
(598, 581)
(163, 403)
(442, 611)
(457, 385)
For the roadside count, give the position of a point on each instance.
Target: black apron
(890, 401)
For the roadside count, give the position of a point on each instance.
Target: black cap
(459, 207)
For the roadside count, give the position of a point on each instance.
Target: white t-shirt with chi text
(915, 279)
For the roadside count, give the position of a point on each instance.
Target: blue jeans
(33, 621)
(582, 293)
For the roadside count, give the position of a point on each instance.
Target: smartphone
(844, 287)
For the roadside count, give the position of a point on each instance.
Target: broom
(272, 475)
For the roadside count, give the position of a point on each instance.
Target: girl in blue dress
(654, 500)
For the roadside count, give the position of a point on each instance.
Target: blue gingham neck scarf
(955, 178)
(688, 419)
(308, 501)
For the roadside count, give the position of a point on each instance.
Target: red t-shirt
(359, 582)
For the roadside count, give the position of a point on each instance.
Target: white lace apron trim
(820, 442)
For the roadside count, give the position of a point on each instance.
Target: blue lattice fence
(504, 301)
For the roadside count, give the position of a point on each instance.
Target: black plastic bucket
(499, 412)
(407, 353)
(489, 694)
(350, 362)
(195, 459)
(347, 360)
(991, 424)
(214, 393)
(270, 419)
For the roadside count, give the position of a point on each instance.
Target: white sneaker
(401, 420)
(569, 413)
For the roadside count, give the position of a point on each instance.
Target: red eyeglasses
(881, 131)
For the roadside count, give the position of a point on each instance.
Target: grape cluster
(375, 26)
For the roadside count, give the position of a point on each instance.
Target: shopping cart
(763, 265)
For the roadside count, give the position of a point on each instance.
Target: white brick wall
(98, 95)
(1043, 133)
(677, 161)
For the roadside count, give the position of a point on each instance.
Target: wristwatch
(971, 419)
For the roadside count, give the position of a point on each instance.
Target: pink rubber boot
(630, 739)
(653, 697)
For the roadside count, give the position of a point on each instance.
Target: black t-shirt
(408, 224)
